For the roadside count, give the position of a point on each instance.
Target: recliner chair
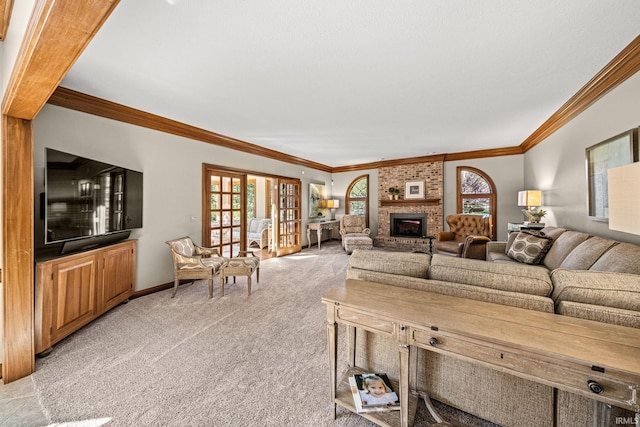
(467, 238)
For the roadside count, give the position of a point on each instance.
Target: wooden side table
(318, 227)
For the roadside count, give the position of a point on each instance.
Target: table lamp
(333, 204)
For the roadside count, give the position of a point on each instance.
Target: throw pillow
(530, 247)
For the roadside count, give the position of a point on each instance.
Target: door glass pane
(226, 236)
(236, 217)
(236, 201)
(215, 237)
(236, 234)
(215, 184)
(226, 184)
(215, 219)
(215, 201)
(236, 185)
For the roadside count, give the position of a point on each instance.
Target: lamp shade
(530, 198)
(333, 204)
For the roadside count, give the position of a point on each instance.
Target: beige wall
(557, 165)
(172, 168)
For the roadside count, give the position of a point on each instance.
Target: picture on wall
(414, 190)
(317, 200)
(617, 151)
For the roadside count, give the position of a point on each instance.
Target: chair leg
(258, 275)
(222, 280)
(175, 287)
(211, 287)
(249, 284)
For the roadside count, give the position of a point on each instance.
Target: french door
(288, 216)
(224, 213)
(224, 209)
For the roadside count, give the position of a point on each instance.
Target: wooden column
(18, 262)
(57, 34)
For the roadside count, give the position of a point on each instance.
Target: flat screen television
(89, 203)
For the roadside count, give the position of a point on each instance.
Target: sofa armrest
(475, 247)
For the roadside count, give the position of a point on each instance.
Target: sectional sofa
(560, 271)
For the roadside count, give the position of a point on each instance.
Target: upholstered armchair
(258, 232)
(467, 236)
(353, 225)
(193, 262)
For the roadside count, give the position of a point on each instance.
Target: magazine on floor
(373, 392)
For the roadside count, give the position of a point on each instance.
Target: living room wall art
(617, 151)
(414, 190)
(317, 200)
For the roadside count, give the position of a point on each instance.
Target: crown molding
(78, 101)
(623, 66)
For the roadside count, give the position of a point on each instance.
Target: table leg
(351, 343)
(309, 237)
(332, 340)
(404, 385)
(319, 232)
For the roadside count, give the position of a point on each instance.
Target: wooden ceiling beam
(5, 16)
(56, 36)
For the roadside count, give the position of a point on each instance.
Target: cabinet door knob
(433, 342)
(595, 387)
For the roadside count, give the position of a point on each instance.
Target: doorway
(238, 204)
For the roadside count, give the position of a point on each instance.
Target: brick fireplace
(432, 173)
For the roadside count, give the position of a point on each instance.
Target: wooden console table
(318, 227)
(592, 359)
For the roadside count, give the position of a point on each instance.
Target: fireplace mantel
(430, 201)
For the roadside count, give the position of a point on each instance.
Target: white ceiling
(343, 82)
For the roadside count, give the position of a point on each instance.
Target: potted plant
(533, 215)
(394, 192)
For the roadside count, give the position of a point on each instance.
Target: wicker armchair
(467, 238)
(258, 232)
(193, 262)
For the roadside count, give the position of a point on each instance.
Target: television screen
(87, 198)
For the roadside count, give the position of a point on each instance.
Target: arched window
(477, 194)
(357, 198)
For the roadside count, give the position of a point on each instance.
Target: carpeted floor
(239, 360)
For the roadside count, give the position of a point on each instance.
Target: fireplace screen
(408, 225)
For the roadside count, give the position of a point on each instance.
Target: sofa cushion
(512, 277)
(587, 253)
(621, 258)
(562, 247)
(529, 247)
(617, 290)
(599, 313)
(397, 263)
(495, 296)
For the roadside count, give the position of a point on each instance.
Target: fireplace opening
(408, 225)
